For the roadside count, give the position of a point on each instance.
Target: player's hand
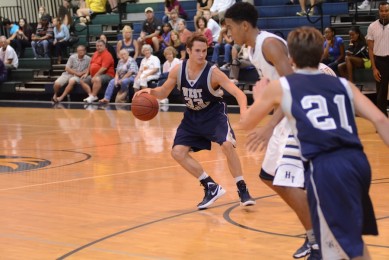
(259, 87)
(145, 90)
(258, 138)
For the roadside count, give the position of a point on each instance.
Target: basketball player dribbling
(320, 110)
(282, 168)
(205, 119)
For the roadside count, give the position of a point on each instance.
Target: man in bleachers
(174, 19)
(43, 38)
(8, 54)
(76, 67)
(151, 29)
(100, 71)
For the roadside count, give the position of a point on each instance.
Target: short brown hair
(306, 46)
(196, 36)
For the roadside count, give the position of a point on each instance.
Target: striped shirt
(77, 64)
(380, 35)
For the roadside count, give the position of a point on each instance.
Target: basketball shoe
(244, 195)
(212, 191)
(315, 253)
(304, 250)
(365, 5)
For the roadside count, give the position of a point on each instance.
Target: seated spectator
(240, 60)
(110, 49)
(8, 55)
(12, 27)
(151, 29)
(183, 32)
(91, 6)
(124, 78)
(174, 19)
(200, 7)
(201, 25)
(150, 68)
(101, 70)
(128, 43)
(61, 37)
(64, 13)
(178, 45)
(3, 72)
(219, 8)
(333, 49)
(42, 12)
(165, 36)
(43, 38)
(171, 5)
(23, 37)
(76, 66)
(356, 54)
(171, 61)
(226, 42)
(212, 25)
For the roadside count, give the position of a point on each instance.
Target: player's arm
(366, 109)
(219, 78)
(163, 91)
(266, 98)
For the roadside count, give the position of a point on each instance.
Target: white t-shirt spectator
(9, 54)
(215, 29)
(167, 66)
(221, 5)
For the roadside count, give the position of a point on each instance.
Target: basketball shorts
(339, 202)
(199, 128)
(282, 163)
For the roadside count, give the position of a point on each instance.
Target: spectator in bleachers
(76, 66)
(377, 41)
(61, 37)
(149, 69)
(42, 39)
(183, 32)
(226, 42)
(200, 7)
(356, 54)
(8, 54)
(114, 6)
(42, 12)
(151, 29)
(91, 6)
(170, 54)
(240, 60)
(174, 19)
(64, 13)
(124, 78)
(3, 72)
(110, 49)
(303, 5)
(212, 25)
(219, 8)
(178, 45)
(12, 28)
(128, 43)
(171, 5)
(201, 25)
(165, 36)
(101, 70)
(23, 37)
(334, 52)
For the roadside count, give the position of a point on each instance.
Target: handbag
(366, 63)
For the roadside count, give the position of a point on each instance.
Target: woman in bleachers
(356, 54)
(169, 6)
(149, 69)
(183, 32)
(201, 25)
(128, 43)
(165, 36)
(333, 49)
(177, 44)
(201, 6)
(64, 13)
(23, 37)
(61, 37)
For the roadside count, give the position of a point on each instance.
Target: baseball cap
(149, 9)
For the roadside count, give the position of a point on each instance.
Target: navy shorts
(199, 128)
(339, 201)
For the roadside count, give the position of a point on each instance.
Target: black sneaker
(212, 192)
(315, 253)
(244, 195)
(303, 251)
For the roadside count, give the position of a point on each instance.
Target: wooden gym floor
(98, 184)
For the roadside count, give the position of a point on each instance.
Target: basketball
(145, 107)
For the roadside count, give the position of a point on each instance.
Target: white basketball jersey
(264, 68)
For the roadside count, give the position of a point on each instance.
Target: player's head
(305, 47)
(196, 46)
(241, 18)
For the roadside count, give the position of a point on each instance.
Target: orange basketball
(144, 107)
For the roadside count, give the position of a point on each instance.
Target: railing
(319, 6)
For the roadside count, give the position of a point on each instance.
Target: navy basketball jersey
(321, 112)
(198, 93)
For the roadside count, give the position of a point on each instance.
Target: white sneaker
(365, 4)
(91, 99)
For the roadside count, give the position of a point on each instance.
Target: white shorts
(282, 159)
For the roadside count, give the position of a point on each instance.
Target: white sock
(311, 237)
(239, 178)
(203, 176)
